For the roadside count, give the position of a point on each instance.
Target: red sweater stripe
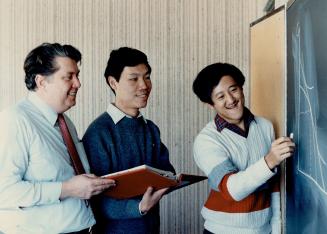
(222, 200)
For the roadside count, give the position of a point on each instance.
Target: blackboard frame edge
(289, 3)
(267, 16)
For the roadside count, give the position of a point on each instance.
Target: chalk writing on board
(306, 171)
(310, 160)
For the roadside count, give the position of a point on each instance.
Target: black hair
(121, 58)
(209, 77)
(41, 61)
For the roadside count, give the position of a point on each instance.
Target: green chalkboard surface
(306, 172)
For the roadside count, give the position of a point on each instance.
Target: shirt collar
(43, 107)
(222, 123)
(117, 115)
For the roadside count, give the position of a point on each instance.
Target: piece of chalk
(291, 135)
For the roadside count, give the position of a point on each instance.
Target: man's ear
(112, 82)
(40, 81)
(210, 106)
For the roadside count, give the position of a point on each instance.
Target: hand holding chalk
(281, 149)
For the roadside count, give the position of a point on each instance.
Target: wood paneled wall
(268, 78)
(180, 37)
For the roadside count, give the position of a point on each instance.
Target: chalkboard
(306, 177)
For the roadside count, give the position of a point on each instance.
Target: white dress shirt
(33, 164)
(116, 114)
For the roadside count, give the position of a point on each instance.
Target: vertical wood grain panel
(268, 73)
(180, 37)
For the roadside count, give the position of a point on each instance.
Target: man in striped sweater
(238, 153)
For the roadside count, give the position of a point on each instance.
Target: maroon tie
(77, 164)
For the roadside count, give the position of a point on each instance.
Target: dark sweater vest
(114, 147)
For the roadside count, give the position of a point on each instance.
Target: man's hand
(151, 198)
(281, 149)
(85, 186)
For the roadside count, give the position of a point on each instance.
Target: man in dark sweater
(122, 138)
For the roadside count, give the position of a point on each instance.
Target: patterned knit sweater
(113, 147)
(244, 196)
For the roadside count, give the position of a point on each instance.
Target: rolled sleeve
(243, 183)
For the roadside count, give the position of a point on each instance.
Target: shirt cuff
(50, 192)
